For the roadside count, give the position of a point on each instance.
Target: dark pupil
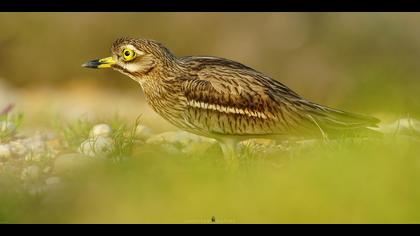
(127, 53)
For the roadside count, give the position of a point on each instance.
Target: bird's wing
(229, 98)
(225, 97)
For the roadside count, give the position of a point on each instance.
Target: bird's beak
(100, 63)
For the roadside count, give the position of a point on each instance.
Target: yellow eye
(128, 54)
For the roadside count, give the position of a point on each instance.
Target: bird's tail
(335, 122)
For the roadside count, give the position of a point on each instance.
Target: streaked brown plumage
(224, 99)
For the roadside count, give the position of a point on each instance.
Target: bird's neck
(163, 93)
(159, 81)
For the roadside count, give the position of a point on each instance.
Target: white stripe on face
(132, 67)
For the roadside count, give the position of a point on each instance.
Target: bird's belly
(215, 122)
(221, 123)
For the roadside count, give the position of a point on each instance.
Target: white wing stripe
(225, 109)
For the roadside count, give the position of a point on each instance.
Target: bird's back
(224, 97)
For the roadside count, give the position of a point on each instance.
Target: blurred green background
(361, 62)
(366, 62)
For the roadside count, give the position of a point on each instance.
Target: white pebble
(95, 147)
(101, 130)
(30, 172)
(37, 147)
(18, 148)
(170, 149)
(143, 132)
(32, 148)
(5, 151)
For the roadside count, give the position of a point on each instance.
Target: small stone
(53, 180)
(37, 149)
(158, 139)
(143, 132)
(32, 148)
(101, 130)
(30, 173)
(99, 146)
(185, 138)
(18, 148)
(170, 149)
(5, 151)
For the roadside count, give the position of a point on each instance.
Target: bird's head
(134, 57)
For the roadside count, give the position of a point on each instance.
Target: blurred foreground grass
(347, 181)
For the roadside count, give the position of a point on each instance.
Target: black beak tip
(91, 64)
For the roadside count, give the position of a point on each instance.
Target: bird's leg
(230, 153)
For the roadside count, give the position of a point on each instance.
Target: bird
(224, 99)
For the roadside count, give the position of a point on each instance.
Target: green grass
(346, 181)
(123, 134)
(16, 119)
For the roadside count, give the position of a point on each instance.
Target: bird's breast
(167, 100)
